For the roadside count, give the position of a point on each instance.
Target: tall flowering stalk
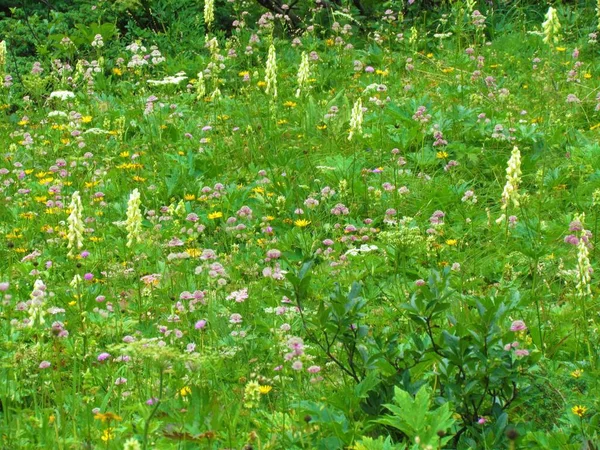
(75, 224)
(271, 72)
(209, 13)
(36, 304)
(583, 273)
(356, 119)
(133, 224)
(303, 73)
(2, 57)
(510, 194)
(551, 27)
(200, 87)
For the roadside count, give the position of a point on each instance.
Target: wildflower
(271, 72)
(107, 434)
(356, 120)
(45, 364)
(76, 225)
(103, 356)
(551, 27)
(579, 410)
(209, 13)
(518, 325)
(2, 57)
(513, 178)
(62, 95)
(584, 267)
(251, 394)
(200, 86)
(265, 389)
(36, 308)
(133, 224)
(200, 325)
(132, 444)
(184, 391)
(303, 73)
(107, 417)
(577, 373)
(215, 215)
(301, 223)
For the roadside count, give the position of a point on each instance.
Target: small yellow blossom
(265, 389)
(189, 197)
(184, 391)
(441, 155)
(215, 215)
(451, 242)
(579, 410)
(577, 373)
(86, 119)
(301, 223)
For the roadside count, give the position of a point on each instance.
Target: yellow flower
(23, 122)
(261, 84)
(215, 215)
(86, 119)
(430, 55)
(301, 223)
(579, 410)
(185, 391)
(244, 73)
(451, 242)
(321, 127)
(193, 252)
(107, 417)
(116, 71)
(290, 104)
(329, 42)
(282, 122)
(107, 435)
(441, 155)
(561, 49)
(587, 76)
(577, 373)
(265, 389)
(448, 70)
(189, 197)
(140, 179)
(258, 190)
(383, 73)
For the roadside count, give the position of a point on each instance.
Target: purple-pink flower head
(200, 325)
(518, 325)
(103, 356)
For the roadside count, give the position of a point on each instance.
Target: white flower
(76, 226)
(356, 120)
(133, 223)
(303, 73)
(62, 95)
(271, 72)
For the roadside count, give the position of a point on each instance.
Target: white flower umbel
(133, 223)
(303, 73)
(551, 27)
(62, 95)
(271, 72)
(356, 119)
(75, 224)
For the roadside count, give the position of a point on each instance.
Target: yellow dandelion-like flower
(577, 373)
(290, 104)
(107, 435)
(441, 155)
(189, 197)
(86, 119)
(265, 389)
(184, 391)
(451, 242)
(215, 215)
(579, 410)
(302, 223)
(116, 71)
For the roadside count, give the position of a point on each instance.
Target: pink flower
(103, 356)
(522, 352)
(200, 324)
(45, 364)
(518, 325)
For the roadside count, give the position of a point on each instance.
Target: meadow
(333, 234)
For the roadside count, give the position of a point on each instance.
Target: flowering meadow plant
(277, 228)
